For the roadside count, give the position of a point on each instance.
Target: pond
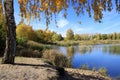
(95, 56)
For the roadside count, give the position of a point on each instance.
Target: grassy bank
(31, 49)
(89, 42)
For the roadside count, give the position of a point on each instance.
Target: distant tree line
(25, 32)
(71, 36)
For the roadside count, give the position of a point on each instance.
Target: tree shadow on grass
(36, 65)
(63, 75)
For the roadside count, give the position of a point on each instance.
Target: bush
(103, 71)
(21, 41)
(58, 59)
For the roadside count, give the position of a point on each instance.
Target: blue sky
(110, 22)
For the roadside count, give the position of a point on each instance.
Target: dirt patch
(28, 69)
(37, 69)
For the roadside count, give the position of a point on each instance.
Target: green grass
(37, 46)
(66, 43)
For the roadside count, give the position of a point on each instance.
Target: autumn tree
(69, 34)
(33, 9)
(77, 37)
(40, 35)
(24, 31)
(56, 37)
(10, 49)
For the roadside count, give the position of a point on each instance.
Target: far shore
(86, 42)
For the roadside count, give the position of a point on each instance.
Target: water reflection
(85, 49)
(70, 51)
(112, 49)
(97, 56)
(88, 49)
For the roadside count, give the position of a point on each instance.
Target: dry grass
(57, 58)
(32, 49)
(35, 45)
(29, 53)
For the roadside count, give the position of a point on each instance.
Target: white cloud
(62, 23)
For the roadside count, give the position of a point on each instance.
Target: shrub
(103, 71)
(57, 58)
(21, 41)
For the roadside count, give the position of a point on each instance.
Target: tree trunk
(10, 49)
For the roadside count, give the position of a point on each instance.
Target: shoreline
(86, 42)
(26, 67)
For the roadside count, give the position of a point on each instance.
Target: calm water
(106, 56)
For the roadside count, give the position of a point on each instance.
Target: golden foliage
(34, 8)
(25, 32)
(1, 8)
(49, 8)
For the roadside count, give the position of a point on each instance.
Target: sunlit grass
(101, 70)
(37, 46)
(66, 43)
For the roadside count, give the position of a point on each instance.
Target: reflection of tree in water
(70, 51)
(113, 49)
(90, 48)
(85, 48)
